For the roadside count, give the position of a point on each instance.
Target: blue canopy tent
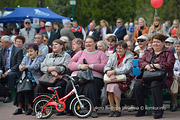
(21, 13)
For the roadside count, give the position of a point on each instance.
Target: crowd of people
(49, 49)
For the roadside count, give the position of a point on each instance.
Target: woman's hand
(84, 66)
(157, 66)
(110, 72)
(22, 67)
(147, 67)
(51, 68)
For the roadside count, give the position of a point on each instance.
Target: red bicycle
(81, 106)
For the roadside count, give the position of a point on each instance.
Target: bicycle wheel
(39, 103)
(82, 112)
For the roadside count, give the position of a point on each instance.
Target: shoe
(140, 113)
(17, 111)
(174, 108)
(69, 113)
(7, 100)
(29, 112)
(60, 113)
(117, 114)
(94, 114)
(158, 115)
(111, 114)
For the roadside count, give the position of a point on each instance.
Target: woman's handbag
(48, 80)
(118, 78)
(85, 76)
(24, 84)
(174, 86)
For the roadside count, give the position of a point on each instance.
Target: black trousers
(40, 89)
(10, 80)
(157, 96)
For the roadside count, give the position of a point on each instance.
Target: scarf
(120, 59)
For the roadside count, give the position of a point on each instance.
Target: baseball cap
(142, 37)
(27, 21)
(170, 39)
(66, 21)
(48, 24)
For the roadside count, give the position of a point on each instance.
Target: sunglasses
(140, 41)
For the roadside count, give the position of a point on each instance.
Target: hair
(159, 26)
(104, 21)
(94, 24)
(60, 42)
(40, 35)
(133, 43)
(103, 44)
(93, 38)
(43, 21)
(148, 36)
(178, 29)
(169, 22)
(32, 46)
(44, 35)
(20, 37)
(160, 37)
(78, 41)
(120, 19)
(56, 23)
(122, 43)
(142, 19)
(90, 20)
(66, 39)
(112, 36)
(7, 38)
(177, 42)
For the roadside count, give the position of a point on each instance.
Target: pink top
(97, 61)
(42, 30)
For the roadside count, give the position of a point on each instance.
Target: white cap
(170, 39)
(142, 37)
(66, 21)
(48, 24)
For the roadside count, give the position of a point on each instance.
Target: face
(13, 31)
(5, 44)
(130, 46)
(102, 23)
(166, 24)
(100, 47)
(157, 45)
(19, 43)
(175, 24)
(110, 43)
(38, 39)
(0, 43)
(48, 28)
(75, 24)
(45, 41)
(118, 23)
(32, 53)
(42, 24)
(169, 45)
(57, 48)
(55, 26)
(27, 25)
(90, 44)
(75, 47)
(142, 43)
(141, 23)
(65, 43)
(156, 23)
(177, 48)
(120, 50)
(91, 26)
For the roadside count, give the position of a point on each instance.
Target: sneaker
(111, 114)
(174, 108)
(94, 114)
(117, 114)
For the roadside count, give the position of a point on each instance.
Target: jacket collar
(165, 49)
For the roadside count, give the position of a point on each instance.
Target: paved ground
(7, 109)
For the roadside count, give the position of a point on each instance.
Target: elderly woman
(157, 57)
(19, 41)
(120, 62)
(96, 61)
(31, 63)
(67, 45)
(102, 46)
(111, 41)
(142, 29)
(52, 64)
(77, 45)
(176, 70)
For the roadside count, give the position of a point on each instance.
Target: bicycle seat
(53, 88)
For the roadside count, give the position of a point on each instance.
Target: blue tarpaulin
(21, 13)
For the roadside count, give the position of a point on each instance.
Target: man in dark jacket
(10, 60)
(92, 31)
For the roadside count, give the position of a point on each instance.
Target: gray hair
(177, 42)
(66, 39)
(7, 39)
(103, 44)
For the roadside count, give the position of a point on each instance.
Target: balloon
(156, 3)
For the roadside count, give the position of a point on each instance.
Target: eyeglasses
(27, 23)
(140, 41)
(118, 22)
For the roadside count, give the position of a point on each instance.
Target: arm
(142, 62)
(84, 33)
(37, 63)
(109, 64)
(71, 35)
(18, 61)
(135, 35)
(44, 67)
